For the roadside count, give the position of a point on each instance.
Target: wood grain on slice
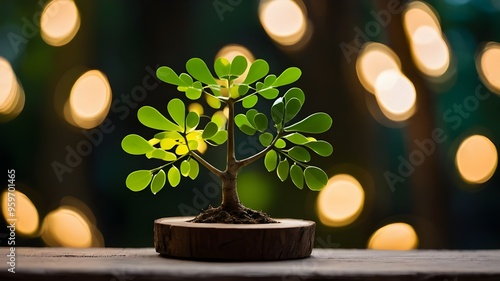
(288, 239)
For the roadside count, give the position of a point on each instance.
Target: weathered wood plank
(335, 264)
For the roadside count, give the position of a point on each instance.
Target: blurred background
(412, 88)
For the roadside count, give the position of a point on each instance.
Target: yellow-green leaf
(158, 182)
(288, 76)
(136, 145)
(282, 169)
(300, 154)
(321, 147)
(316, 123)
(258, 69)
(297, 176)
(194, 168)
(271, 160)
(199, 70)
(138, 180)
(177, 111)
(174, 176)
(266, 139)
(315, 178)
(185, 167)
(152, 118)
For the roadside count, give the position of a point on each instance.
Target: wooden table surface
(116, 264)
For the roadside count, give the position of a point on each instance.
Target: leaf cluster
(287, 148)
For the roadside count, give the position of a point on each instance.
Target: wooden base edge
(288, 239)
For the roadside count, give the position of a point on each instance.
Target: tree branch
(253, 158)
(207, 165)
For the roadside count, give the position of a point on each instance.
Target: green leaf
(210, 130)
(269, 80)
(316, 178)
(158, 182)
(278, 110)
(261, 122)
(270, 160)
(316, 123)
(193, 144)
(292, 107)
(295, 93)
(219, 118)
(167, 144)
(138, 180)
(185, 167)
(258, 69)
(188, 80)
(166, 74)
(321, 148)
(222, 67)
(242, 89)
(300, 154)
(174, 176)
(192, 120)
(266, 139)
(288, 76)
(238, 65)
(194, 169)
(163, 155)
(251, 115)
(177, 111)
(213, 102)
(172, 135)
(245, 126)
(136, 145)
(234, 91)
(296, 138)
(152, 118)
(297, 176)
(153, 141)
(269, 93)
(194, 92)
(250, 101)
(280, 144)
(199, 70)
(282, 169)
(220, 137)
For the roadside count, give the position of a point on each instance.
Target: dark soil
(241, 215)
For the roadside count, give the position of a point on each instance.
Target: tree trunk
(230, 200)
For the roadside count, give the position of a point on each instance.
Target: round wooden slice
(288, 239)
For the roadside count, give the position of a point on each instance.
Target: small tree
(179, 140)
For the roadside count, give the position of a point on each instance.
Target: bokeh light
(488, 66)
(59, 22)
(394, 236)
(196, 107)
(89, 101)
(285, 21)
(395, 95)
(341, 201)
(476, 159)
(11, 92)
(67, 227)
(25, 212)
(429, 50)
(419, 14)
(374, 59)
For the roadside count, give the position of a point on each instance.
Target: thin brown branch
(206, 164)
(253, 158)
